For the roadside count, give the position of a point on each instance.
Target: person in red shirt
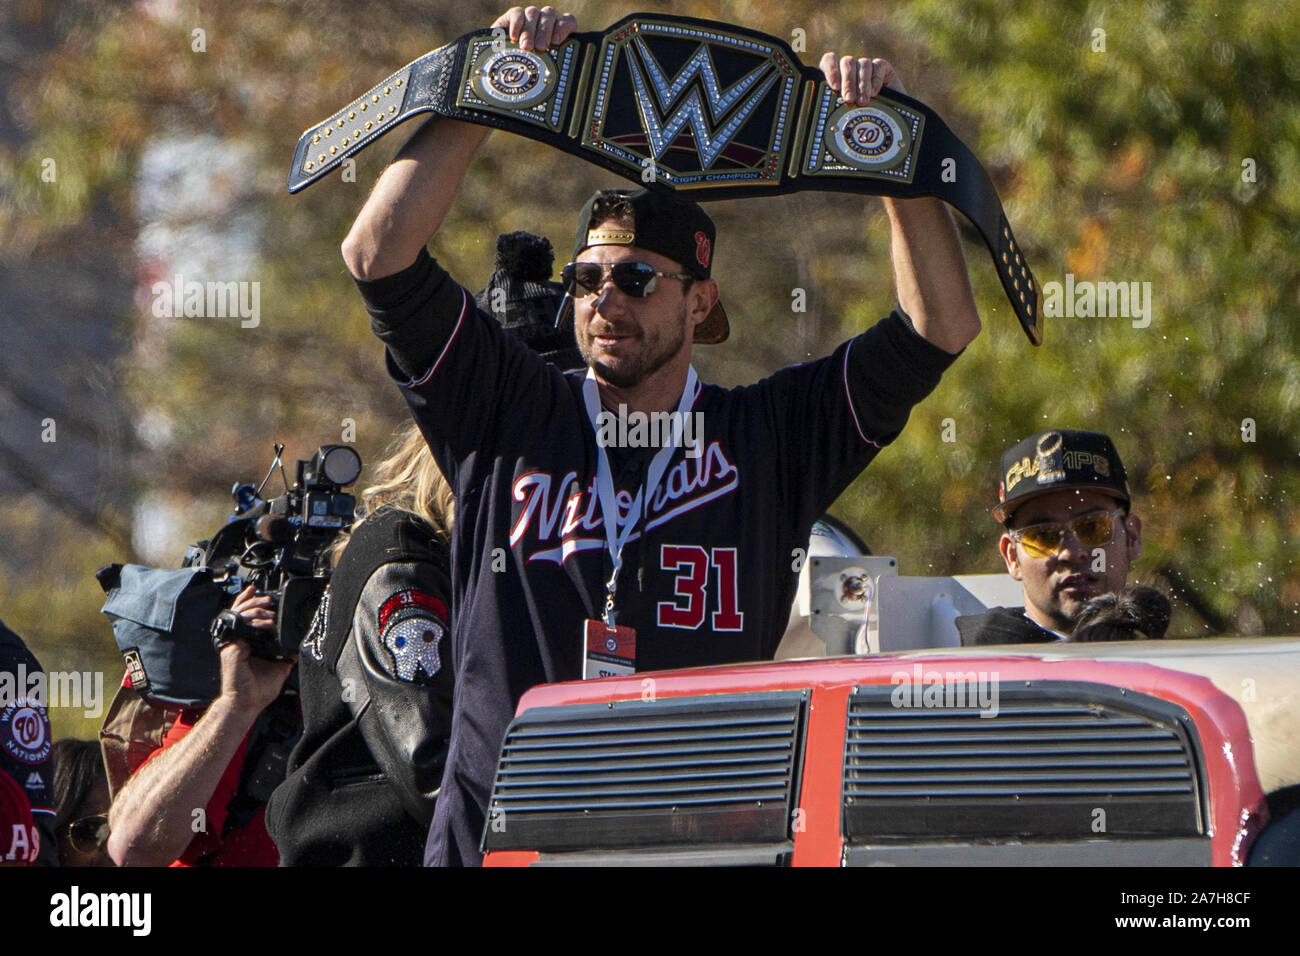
(179, 807)
(19, 839)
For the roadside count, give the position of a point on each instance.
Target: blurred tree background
(1150, 142)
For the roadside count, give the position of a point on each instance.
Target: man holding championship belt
(580, 550)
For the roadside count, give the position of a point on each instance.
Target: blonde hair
(407, 479)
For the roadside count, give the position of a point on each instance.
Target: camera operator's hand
(249, 683)
(254, 608)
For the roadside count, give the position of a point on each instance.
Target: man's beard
(655, 355)
(1066, 610)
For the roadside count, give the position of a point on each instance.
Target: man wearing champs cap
(573, 556)
(1063, 500)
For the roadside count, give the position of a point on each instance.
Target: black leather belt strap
(709, 109)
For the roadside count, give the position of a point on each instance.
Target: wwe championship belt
(713, 110)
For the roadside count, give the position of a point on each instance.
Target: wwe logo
(710, 141)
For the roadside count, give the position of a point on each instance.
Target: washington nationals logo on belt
(25, 730)
(516, 78)
(868, 136)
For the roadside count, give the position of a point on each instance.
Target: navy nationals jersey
(708, 576)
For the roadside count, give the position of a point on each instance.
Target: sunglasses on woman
(1044, 540)
(636, 279)
(89, 833)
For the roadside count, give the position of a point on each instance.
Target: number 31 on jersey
(691, 563)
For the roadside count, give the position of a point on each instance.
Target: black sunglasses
(636, 279)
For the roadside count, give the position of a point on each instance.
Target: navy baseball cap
(672, 227)
(1059, 459)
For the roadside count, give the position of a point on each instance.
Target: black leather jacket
(376, 687)
(1002, 625)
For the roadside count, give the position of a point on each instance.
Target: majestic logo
(656, 94)
(135, 671)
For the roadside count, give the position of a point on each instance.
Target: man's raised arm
(929, 268)
(412, 196)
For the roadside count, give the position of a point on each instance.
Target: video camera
(280, 546)
(168, 624)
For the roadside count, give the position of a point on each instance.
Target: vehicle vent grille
(683, 770)
(1057, 759)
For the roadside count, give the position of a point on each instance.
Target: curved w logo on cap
(703, 249)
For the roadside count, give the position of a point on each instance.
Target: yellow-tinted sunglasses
(1044, 540)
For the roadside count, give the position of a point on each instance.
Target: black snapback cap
(1060, 459)
(678, 229)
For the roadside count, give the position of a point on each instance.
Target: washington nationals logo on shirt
(690, 484)
(25, 731)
